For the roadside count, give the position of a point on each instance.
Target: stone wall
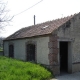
(71, 34)
(20, 51)
(53, 54)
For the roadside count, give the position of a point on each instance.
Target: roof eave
(36, 36)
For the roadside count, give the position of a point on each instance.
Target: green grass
(11, 69)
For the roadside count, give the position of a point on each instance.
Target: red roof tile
(39, 29)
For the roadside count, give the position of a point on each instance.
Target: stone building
(55, 44)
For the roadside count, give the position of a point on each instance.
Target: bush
(11, 69)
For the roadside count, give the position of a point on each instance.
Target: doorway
(11, 51)
(63, 56)
(30, 52)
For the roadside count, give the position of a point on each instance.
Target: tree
(4, 18)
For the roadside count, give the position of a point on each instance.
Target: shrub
(11, 69)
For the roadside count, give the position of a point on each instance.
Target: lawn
(11, 69)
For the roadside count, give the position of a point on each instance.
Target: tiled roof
(39, 29)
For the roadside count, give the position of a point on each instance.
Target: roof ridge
(58, 18)
(51, 20)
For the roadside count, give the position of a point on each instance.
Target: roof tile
(39, 29)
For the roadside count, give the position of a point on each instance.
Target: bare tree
(4, 17)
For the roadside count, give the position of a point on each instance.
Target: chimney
(34, 19)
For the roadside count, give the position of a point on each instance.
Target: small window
(45, 27)
(68, 24)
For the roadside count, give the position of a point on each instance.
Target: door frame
(69, 54)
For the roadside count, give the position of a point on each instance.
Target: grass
(11, 69)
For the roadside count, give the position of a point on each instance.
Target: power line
(28, 8)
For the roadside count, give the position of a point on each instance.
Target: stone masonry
(53, 54)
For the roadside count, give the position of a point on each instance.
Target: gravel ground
(74, 76)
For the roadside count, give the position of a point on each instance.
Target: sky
(46, 10)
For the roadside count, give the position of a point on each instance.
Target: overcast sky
(44, 11)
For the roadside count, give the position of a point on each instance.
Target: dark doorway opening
(30, 52)
(11, 51)
(63, 56)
